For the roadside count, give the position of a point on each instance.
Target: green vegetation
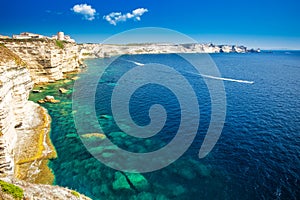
(60, 43)
(76, 194)
(11, 189)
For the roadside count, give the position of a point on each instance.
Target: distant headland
(107, 50)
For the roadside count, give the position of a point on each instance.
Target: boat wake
(221, 78)
(204, 75)
(134, 62)
(227, 79)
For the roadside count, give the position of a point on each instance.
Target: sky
(256, 24)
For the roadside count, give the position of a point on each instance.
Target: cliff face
(46, 60)
(22, 122)
(15, 84)
(107, 50)
(25, 146)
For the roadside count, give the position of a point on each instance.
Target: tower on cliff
(60, 35)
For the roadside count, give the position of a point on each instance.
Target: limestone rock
(96, 135)
(45, 60)
(63, 90)
(49, 99)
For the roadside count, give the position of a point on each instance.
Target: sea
(257, 155)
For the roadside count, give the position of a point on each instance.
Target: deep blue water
(256, 157)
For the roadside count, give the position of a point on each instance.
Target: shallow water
(256, 157)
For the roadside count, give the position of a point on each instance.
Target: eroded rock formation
(47, 60)
(25, 146)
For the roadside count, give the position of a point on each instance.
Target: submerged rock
(130, 181)
(91, 135)
(204, 170)
(187, 173)
(178, 190)
(138, 181)
(74, 135)
(120, 182)
(106, 116)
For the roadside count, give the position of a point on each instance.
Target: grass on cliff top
(12, 190)
(7, 55)
(60, 44)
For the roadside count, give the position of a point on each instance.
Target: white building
(26, 35)
(61, 35)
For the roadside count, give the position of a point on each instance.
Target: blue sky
(257, 23)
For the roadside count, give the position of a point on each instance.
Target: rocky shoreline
(25, 145)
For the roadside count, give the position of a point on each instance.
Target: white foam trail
(206, 76)
(223, 79)
(227, 79)
(134, 62)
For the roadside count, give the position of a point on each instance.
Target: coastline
(26, 147)
(44, 63)
(35, 150)
(44, 171)
(42, 154)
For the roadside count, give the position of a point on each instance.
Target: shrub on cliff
(11, 189)
(60, 44)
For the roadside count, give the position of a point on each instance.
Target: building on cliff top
(26, 35)
(61, 36)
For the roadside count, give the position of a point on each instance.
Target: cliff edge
(25, 146)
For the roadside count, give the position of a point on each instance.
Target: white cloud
(116, 17)
(86, 10)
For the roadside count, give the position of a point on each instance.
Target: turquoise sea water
(256, 157)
